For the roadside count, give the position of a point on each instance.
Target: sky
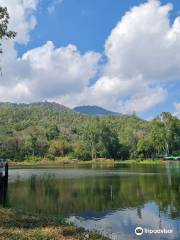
(120, 55)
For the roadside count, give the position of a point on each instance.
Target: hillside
(46, 105)
(94, 111)
(52, 131)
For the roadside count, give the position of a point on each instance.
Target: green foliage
(52, 132)
(81, 152)
(4, 21)
(99, 139)
(145, 147)
(49, 130)
(59, 147)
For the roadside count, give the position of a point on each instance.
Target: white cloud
(56, 72)
(140, 42)
(177, 111)
(146, 100)
(48, 72)
(118, 96)
(17, 93)
(44, 72)
(142, 51)
(143, 55)
(22, 18)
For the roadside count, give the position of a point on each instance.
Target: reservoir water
(111, 200)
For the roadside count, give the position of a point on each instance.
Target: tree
(39, 144)
(100, 140)
(35, 131)
(89, 136)
(145, 147)
(158, 137)
(4, 21)
(81, 152)
(172, 131)
(52, 132)
(59, 147)
(108, 141)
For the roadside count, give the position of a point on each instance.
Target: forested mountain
(51, 105)
(49, 130)
(94, 111)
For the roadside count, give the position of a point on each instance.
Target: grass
(148, 161)
(145, 161)
(65, 162)
(17, 226)
(58, 162)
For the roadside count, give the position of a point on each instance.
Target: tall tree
(90, 136)
(100, 139)
(4, 21)
(171, 126)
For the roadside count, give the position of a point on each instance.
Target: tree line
(51, 131)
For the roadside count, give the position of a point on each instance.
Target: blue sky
(85, 23)
(88, 25)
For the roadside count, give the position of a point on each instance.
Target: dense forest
(51, 131)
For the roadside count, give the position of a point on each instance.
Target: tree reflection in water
(114, 199)
(48, 194)
(3, 192)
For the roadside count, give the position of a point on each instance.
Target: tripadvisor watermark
(140, 231)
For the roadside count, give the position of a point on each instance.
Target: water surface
(113, 201)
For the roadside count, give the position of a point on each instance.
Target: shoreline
(75, 163)
(16, 225)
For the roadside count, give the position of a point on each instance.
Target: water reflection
(121, 224)
(111, 201)
(3, 192)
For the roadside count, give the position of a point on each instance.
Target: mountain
(45, 104)
(95, 111)
(47, 130)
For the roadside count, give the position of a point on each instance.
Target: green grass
(147, 161)
(140, 161)
(59, 162)
(64, 161)
(17, 226)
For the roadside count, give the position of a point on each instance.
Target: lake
(113, 200)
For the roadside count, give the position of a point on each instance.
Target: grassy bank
(60, 162)
(65, 162)
(17, 226)
(148, 161)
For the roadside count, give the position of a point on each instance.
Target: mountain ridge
(91, 110)
(45, 104)
(95, 111)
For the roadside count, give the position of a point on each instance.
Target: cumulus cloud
(142, 41)
(17, 93)
(142, 54)
(22, 18)
(59, 71)
(47, 72)
(44, 72)
(142, 57)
